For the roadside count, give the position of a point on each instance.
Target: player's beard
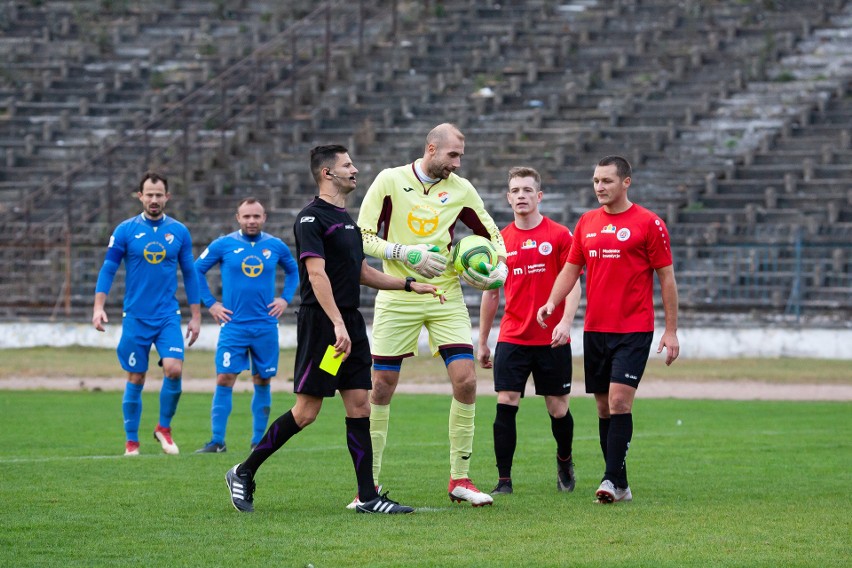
(439, 171)
(154, 213)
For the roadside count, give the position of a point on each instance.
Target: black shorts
(314, 333)
(615, 358)
(550, 368)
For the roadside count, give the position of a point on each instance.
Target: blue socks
(169, 396)
(222, 404)
(131, 406)
(260, 404)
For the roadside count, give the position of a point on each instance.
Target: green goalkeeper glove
(422, 259)
(495, 278)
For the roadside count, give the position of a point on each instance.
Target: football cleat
(131, 448)
(504, 487)
(357, 500)
(212, 448)
(164, 436)
(609, 493)
(565, 480)
(241, 487)
(383, 504)
(464, 490)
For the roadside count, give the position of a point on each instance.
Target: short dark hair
(325, 157)
(622, 166)
(249, 201)
(155, 178)
(524, 171)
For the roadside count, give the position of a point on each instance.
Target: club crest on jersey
(170, 238)
(252, 266)
(443, 197)
(623, 234)
(423, 220)
(545, 248)
(266, 253)
(609, 229)
(528, 244)
(154, 252)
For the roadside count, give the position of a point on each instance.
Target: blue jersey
(248, 274)
(151, 251)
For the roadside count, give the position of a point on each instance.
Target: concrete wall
(710, 343)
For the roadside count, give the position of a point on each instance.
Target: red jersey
(534, 257)
(620, 253)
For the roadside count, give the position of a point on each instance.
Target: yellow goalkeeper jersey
(399, 208)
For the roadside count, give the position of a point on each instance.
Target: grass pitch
(714, 484)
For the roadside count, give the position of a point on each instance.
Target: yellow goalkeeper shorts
(397, 324)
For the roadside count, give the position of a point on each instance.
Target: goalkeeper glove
(422, 259)
(495, 278)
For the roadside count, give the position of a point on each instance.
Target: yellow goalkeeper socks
(461, 438)
(379, 417)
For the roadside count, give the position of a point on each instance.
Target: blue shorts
(246, 346)
(137, 336)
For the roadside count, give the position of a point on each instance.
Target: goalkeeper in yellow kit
(408, 218)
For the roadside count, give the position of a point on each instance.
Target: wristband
(408, 282)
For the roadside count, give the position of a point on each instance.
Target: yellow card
(329, 363)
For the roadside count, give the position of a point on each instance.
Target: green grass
(91, 362)
(714, 484)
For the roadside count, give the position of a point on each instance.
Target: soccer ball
(476, 253)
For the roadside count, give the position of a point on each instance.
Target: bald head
(442, 133)
(443, 152)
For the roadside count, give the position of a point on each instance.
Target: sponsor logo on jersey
(528, 244)
(307, 219)
(609, 229)
(443, 197)
(623, 234)
(252, 266)
(593, 254)
(170, 238)
(545, 248)
(591, 235)
(517, 271)
(267, 254)
(154, 252)
(422, 220)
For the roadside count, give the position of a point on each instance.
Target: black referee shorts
(314, 333)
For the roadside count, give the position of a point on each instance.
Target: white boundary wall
(708, 343)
